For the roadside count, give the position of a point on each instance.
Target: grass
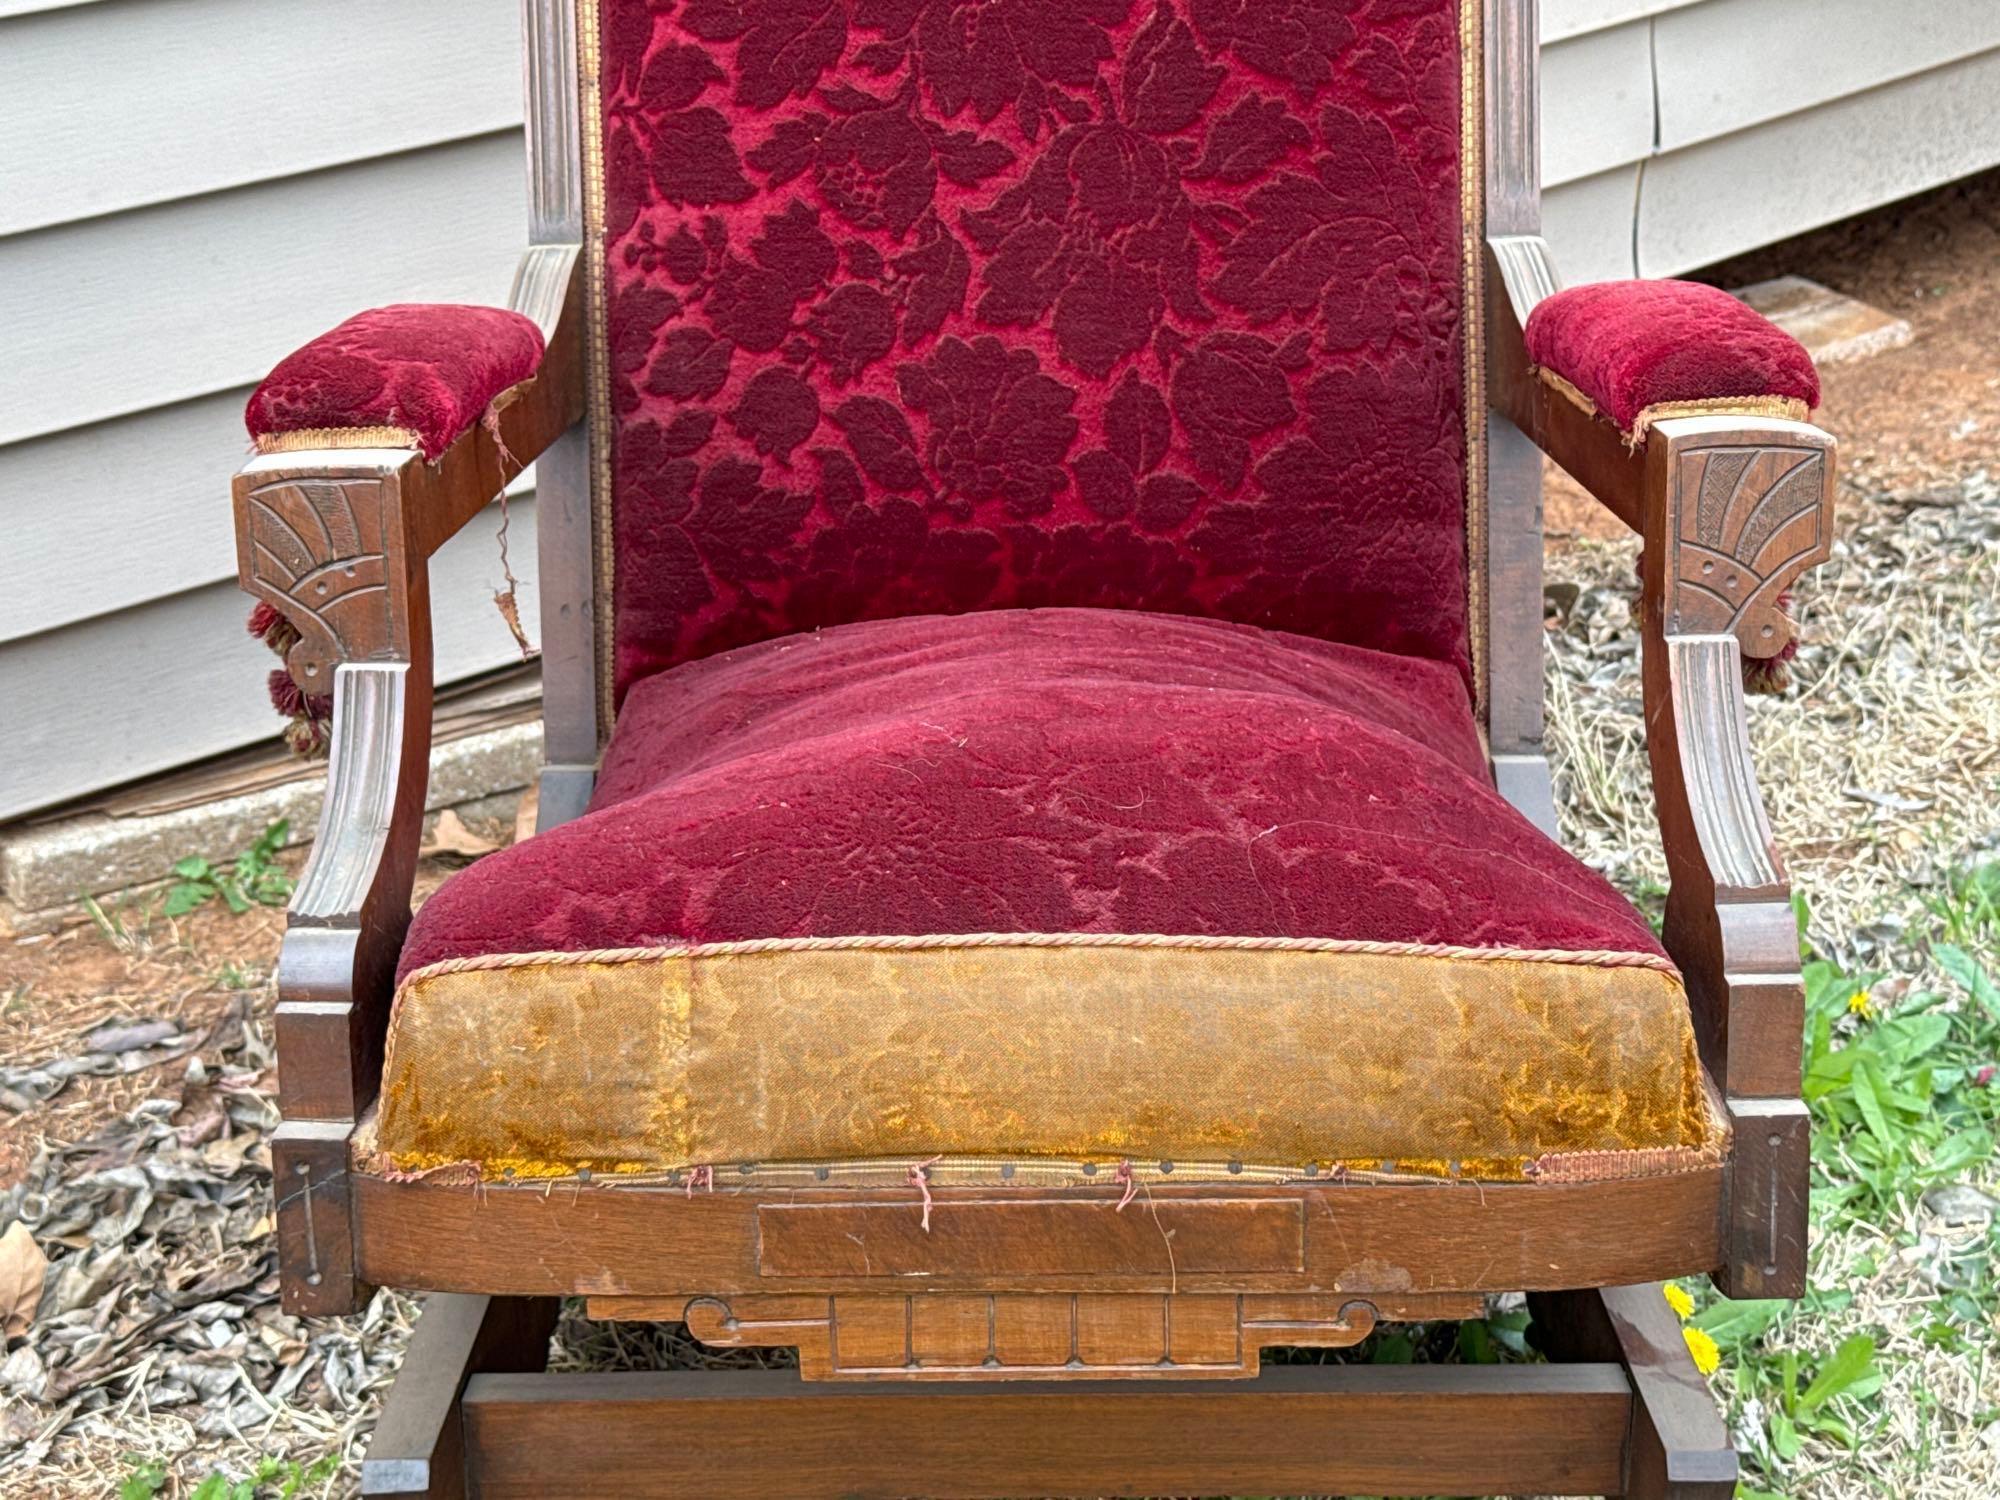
(1879, 1380)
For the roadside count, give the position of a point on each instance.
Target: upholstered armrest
(1637, 351)
(378, 441)
(415, 375)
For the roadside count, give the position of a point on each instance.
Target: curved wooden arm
(339, 541)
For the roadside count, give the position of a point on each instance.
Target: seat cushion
(1036, 885)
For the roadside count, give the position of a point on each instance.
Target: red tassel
(311, 714)
(287, 697)
(272, 628)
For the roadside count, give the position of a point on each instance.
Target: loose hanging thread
(506, 600)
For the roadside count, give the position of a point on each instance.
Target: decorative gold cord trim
(597, 371)
(1788, 407)
(962, 1170)
(308, 439)
(1603, 958)
(1472, 234)
(941, 1172)
(1644, 1161)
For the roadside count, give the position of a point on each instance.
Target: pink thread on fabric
(920, 1179)
(1124, 1175)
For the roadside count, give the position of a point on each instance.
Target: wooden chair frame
(963, 1334)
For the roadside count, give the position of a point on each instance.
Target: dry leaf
(524, 820)
(510, 611)
(453, 838)
(23, 1268)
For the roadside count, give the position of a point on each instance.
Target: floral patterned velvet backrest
(941, 305)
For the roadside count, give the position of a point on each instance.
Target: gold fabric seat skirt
(1060, 1053)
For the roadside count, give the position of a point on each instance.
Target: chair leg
(419, 1443)
(1679, 1447)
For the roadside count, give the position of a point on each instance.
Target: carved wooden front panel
(318, 555)
(1174, 1237)
(1043, 1336)
(1746, 521)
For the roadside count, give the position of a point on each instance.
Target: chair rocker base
(1620, 1410)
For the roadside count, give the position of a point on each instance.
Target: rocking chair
(1046, 883)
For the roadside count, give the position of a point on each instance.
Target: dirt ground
(1907, 418)
(1918, 426)
(128, 962)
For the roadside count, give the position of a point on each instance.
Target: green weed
(282, 1477)
(253, 879)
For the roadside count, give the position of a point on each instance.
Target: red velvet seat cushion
(1628, 345)
(430, 368)
(1043, 771)
(927, 306)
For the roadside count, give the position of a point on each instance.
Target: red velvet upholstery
(1628, 345)
(429, 367)
(1036, 771)
(941, 305)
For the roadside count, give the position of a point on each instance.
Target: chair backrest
(941, 305)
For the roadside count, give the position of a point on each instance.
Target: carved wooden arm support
(339, 541)
(1732, 510)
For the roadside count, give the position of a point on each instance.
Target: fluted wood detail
(1712, 729)
(363, 773)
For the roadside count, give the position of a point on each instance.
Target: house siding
(1678, 132)
(275, 165)
(271, 167)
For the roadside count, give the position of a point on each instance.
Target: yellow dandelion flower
(1706, 1355)
(1678, 1299)
(1859, 1004)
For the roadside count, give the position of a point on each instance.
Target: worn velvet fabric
(1209, 1059)
(1629, 345)
(1045, 771)
(933, 306)
(429, 368)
